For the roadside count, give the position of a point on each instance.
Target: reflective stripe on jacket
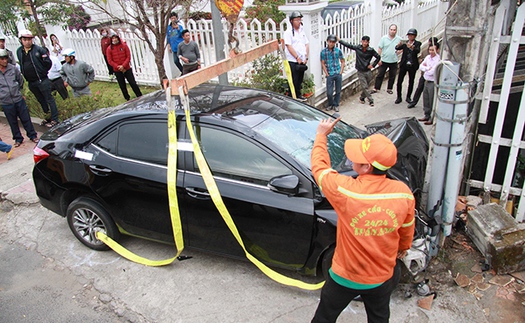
(375, 219)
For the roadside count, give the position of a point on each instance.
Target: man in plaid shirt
(333, 65)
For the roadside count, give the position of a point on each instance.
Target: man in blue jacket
(34, 65)
(174, 37)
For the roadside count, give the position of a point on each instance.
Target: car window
(109, 142)
(146, 141)
(234, 157)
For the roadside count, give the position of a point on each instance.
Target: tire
(326, 263)
(85, 217)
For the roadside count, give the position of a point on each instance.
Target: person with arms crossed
(375, 225)
(333, 64)
(363, 64)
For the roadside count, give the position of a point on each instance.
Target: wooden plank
(205, 74)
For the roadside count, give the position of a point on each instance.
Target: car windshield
(293, 130)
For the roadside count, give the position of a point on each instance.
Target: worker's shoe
(362, 101)
(398, 100)
(328, 108)
(408, 100)
(336, 109)
(412, 105)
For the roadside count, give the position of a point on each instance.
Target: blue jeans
(42, 92)
(332, 81)
(5, 147)
(12, 113)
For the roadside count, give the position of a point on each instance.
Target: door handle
(198, 193)
(100, 170)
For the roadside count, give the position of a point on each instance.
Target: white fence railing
(348, 25)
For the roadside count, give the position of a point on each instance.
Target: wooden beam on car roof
(205, 74)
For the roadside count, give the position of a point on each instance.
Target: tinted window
(109, 142)
(146, 141)
(234, 157)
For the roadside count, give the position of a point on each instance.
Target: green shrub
(267, 74)
(105, 94)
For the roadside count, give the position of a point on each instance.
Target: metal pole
(455, 157)
(445, 93)
(219, 39)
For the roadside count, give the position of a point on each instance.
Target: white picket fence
(348, 25)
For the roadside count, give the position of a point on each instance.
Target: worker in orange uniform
(375, 225)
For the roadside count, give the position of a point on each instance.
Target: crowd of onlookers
(57, 69)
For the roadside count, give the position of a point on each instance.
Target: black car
(106, 170)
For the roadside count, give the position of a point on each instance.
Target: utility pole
(467, 39)
(219, 39)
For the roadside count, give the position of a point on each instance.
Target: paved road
(43, 266)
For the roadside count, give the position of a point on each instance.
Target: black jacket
(363, 58)
(40, 59)
(412, 53)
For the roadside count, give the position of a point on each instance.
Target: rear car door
(129, 170)
(276, 228)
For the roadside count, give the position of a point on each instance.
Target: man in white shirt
(297, 47)
(56, 79)
(428, 66)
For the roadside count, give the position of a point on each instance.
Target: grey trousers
(364, 79)
(428, 98)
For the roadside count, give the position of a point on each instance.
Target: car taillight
(39, 154)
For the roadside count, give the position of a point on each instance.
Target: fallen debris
(482, 286)
(478, 278)
(426, 302)
(501, 280)
(462, 280)
(519, 275)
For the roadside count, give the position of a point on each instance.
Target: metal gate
(503, 94)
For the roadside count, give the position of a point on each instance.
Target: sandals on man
(51, 124)
(35, 140)
(17, 143)
(389, 91)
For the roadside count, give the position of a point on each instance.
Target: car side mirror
(286, 184)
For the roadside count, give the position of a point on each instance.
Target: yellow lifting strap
(180, 87)
(172, 196)
(215, 195)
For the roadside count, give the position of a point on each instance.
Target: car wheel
(85, 217)
(326, 263)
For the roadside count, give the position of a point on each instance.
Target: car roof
(244, 108)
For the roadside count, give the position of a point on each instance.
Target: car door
(130, 167)
(276, 228)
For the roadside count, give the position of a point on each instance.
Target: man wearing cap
(34, 64)
(12, 101)
(11, 57)
(363, 64)
(333, 64)
(77, 74)
(375, 225)
(297, 48)
(409, 64)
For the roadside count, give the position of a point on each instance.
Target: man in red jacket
(375, 225)
(119, 58)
